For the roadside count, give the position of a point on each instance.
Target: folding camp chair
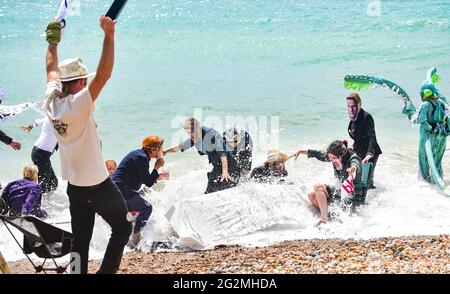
(42, 239)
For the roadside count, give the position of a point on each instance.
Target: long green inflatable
(364, 82)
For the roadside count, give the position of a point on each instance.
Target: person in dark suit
(361, 129)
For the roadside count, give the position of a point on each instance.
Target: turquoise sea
(279, 63)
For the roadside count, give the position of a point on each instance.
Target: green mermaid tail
(433, 171)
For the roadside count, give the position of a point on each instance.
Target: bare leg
(313, 199)
(322, 200)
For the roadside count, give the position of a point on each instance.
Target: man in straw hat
(133, 172)
(273, 168)
(69, 104)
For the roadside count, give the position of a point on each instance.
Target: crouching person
(132, 173)
(23, 197)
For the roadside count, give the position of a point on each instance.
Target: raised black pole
(116, 8)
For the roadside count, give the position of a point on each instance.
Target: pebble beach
(405, 255)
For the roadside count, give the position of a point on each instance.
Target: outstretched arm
(106, 64)
(9, 141)
(32, 201)
(5, 138)
(298, 153)
(53, 36)
(319, 155)
(372, 140)
(225, 176)
(172, 149)
(52, 62)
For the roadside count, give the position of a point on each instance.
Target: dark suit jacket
(365, 139)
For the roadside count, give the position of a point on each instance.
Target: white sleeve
(39, 122)
(52, 87)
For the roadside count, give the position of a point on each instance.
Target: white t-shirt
(47, 140)
(82, 162)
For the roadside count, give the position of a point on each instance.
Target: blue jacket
(211, 145)
(133, 172)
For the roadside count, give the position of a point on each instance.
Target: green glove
(53, 32)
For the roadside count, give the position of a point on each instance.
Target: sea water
(278, 64)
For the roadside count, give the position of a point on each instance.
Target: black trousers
(46, 177)
(214, 183)
(106, 200)
(137, 203)
(370, 180)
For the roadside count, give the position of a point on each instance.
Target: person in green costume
(434, 126)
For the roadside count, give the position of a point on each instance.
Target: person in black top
(240, 146)
(9, 141)
(361, 129)
(132, 173)
(273, 169)
(209, 142)
(345, 162)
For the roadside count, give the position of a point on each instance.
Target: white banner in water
(347, 187)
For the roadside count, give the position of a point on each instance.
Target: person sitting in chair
(23, 197)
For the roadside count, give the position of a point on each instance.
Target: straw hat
(73, 69)
(276, 155)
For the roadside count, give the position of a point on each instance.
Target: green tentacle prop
(364, 82)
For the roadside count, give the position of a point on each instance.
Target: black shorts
(335, 194)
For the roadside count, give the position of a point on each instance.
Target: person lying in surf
(273, 170)
(348, 172)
